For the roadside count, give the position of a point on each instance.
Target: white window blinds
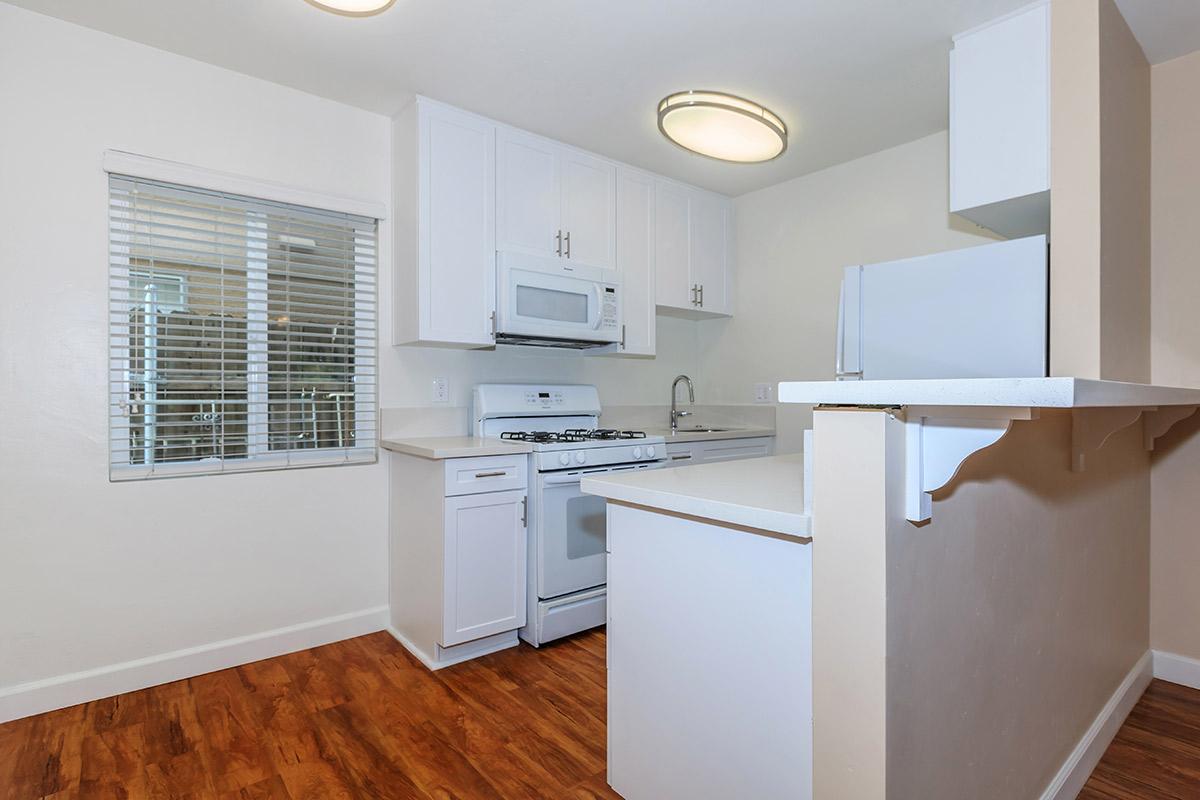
(242, 333)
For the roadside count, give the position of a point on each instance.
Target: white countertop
(1031, 392)
(685, 436)
(762, 493)
(440, 447)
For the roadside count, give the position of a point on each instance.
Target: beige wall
(995, 633)
(1175, 509)
(1016, 613)
(1100, 199)
(793, 240)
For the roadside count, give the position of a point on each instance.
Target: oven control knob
(580, 457)
(564, 459)
(649, 451)
(637, 452)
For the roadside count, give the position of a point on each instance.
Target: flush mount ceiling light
(722, 126)
(354, 8)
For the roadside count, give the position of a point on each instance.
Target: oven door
(539, 297)
(570, 531)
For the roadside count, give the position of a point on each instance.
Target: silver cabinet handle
(622, 336)
(693, 294)
(702, 295)
(558, 243)
(525, 511)
(493, 324)
(567, 240)
(496, 474)
(681, 457)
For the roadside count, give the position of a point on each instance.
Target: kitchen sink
(700, 429)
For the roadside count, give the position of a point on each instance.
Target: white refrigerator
(980, 312)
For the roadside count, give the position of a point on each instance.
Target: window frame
(259, 456)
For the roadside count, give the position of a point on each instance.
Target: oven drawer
(486, 474)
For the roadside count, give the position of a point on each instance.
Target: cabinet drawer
(733, 449)
(679, 455)
(486, 474)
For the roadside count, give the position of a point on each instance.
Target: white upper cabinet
(444, 230)
(1000, 124)
(589, 206)
(712, 231)
(554, 201)
(465, 187)
(635, 260)
(693, 247)
(528, 199)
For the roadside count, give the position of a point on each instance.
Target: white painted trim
(1175, 668)
(1083, 759)
(458, 653)
(156, 169)
(36, 697)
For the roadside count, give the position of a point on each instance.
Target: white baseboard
(36, 697)
(448, 656)
(1083, 759)
(1177, 669)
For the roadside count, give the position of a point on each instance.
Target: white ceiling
(849, 77)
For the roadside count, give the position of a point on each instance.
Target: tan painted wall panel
(1015, 613)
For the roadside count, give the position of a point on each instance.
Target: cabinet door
(635, 260)
(712, 218)
(589, 205)
(672, 251)
(528, 194)
(456, 229)
(484, 566)
(999, 112)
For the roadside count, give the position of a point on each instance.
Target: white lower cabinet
(457, 555)
(483, 589)
(682, 454)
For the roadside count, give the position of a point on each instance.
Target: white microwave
(546, 302)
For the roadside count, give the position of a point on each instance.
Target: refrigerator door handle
(849, 326)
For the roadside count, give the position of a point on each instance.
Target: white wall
(93, 573)
(793, 240)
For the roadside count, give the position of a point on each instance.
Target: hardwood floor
(356, 719)
(1156, 754)
(364, 719)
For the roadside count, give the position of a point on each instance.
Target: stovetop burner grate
(573, 435)
(607, 434)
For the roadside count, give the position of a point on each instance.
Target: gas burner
(544, 437)
(605, 434)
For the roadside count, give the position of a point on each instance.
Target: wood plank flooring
(1156, 754)
(356, 719)
(364, 719)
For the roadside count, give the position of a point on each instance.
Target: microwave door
(980, 312)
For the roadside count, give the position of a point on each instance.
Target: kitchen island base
(710, 653)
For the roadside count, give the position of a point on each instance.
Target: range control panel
(543, 398)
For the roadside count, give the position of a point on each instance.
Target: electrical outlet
(441, 390)
(762, 392)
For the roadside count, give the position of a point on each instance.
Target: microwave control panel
(608, 310)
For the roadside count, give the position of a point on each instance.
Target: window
(242, 333)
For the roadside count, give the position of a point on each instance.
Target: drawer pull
(490, 474)
(681, 458)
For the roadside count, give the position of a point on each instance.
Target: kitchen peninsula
(979, 600)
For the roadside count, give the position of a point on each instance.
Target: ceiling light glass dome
(722, 126)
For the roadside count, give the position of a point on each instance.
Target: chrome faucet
(676, 414)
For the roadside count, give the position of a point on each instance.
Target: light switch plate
(762, 392)
(441, 390)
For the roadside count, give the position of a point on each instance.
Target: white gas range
(567, 562)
